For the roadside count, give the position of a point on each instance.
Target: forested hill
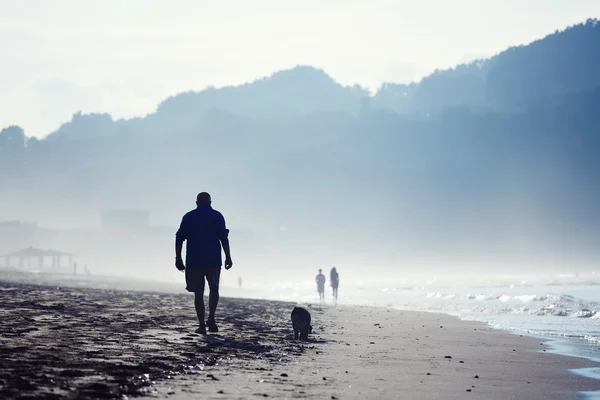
(495, 156)
(562, 63)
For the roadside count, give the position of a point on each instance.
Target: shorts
(194, 278)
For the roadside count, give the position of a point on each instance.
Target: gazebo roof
(33, 252)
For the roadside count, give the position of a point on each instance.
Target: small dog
(301, 323)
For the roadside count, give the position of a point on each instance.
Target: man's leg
(213, 301)
(199, 303)
(213, 276)
(195, 283)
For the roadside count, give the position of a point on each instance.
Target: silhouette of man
(205, 232)
(334, 278)
(320, 279)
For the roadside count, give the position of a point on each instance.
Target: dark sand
(60, 342)
(78, 343)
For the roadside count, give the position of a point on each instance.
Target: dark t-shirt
(205, 232)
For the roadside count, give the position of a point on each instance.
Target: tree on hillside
(83, 126)
(12, 140)
(12, 152)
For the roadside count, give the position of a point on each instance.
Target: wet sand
(377, 353)
(78, 343)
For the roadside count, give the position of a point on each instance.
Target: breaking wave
(541, 313)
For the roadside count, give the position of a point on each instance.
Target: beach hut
(32, 258)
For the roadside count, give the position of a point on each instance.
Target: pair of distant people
(334, 279)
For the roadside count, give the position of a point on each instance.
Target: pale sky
(124, 56)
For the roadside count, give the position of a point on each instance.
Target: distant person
(334, 278)
(75, 268)
(240, 281)
(320, 279)
(205, 232)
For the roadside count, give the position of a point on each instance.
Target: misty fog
(488, 167)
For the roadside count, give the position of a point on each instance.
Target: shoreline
(128, 283)
(258, 335)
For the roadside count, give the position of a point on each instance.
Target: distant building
(126, 219)
(31, 257)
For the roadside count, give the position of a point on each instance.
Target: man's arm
(228, 261)
(224, 238)
(178, 246)
(180, 237)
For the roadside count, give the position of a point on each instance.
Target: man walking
(320, 279)
(205, 232)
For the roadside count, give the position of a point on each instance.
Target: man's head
(203, 199)
(320, 270)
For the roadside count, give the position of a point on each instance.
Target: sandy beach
(83, 343)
